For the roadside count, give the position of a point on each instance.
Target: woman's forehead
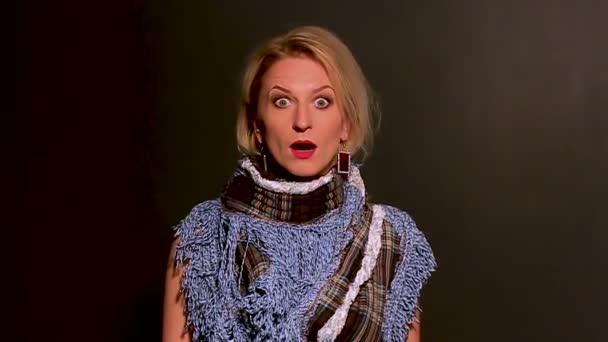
(296, 73)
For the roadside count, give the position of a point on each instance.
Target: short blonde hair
(352, 89)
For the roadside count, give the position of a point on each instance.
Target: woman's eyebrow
(323, 87)
(280, 88)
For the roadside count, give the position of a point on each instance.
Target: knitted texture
(302, 256)
(296, 188)
(417, 264)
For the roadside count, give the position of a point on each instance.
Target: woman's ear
(257, 131)
(346, 129)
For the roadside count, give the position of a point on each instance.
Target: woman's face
(301, 122)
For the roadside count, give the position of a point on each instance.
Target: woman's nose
(302, 120)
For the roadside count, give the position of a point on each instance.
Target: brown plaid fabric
(364, 320)
(244, 195)
(250, 263)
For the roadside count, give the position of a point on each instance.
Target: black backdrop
(493, 139)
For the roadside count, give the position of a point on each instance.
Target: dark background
(494, 138)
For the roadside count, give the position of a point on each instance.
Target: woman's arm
(414, 335)
(173, 310)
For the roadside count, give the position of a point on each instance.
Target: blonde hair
(352, 89)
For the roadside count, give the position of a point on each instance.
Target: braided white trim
(334, 325)
(298, 188)
(354, 177)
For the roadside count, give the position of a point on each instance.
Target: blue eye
(282, 102)
(322, 102)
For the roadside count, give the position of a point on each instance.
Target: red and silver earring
(343, 161)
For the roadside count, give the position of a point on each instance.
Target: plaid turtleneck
(242, 194)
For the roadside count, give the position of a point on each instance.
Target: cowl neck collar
(254, 192)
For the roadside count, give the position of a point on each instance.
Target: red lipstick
(303, 149)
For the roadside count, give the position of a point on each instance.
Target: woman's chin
(306, 169)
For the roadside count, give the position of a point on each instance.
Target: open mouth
(303, 149)
(303, 145)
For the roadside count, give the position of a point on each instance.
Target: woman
(293, 250)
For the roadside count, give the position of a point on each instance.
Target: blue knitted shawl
(303, 256)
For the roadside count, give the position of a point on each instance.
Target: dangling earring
(343, 161)
(257, 131)
(264, 158)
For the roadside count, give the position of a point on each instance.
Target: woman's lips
(303, 149)
(303, 154)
